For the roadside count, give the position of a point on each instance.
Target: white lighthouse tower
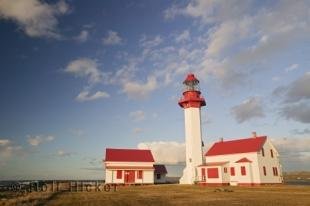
(191, 102)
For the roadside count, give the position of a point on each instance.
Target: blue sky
(77, 77)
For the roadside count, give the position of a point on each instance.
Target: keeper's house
(129, 166)
(250, 161)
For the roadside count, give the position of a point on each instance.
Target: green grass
(184, 195)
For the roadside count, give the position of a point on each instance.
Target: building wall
(111, 174)
(252, 172)
(269, 163)
(161, 180)
(193, 144)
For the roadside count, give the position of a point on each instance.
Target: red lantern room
(191, 94)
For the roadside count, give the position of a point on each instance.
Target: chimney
(254, 134)
(221, 139)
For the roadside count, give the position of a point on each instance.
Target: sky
(77, 77)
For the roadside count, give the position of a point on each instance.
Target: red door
(129, 176)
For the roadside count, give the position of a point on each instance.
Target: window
(232, 171)
(140, 174)
(243, 171)
(264, 170)
(271, 153)
(263, 152)
(213, 173)
(275, 171)
(119, 174)
(158, 176)
(225, 169)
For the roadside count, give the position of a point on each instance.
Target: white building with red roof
(248, 161)
(129, 166)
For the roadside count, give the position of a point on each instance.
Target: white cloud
(85, 67)
(150, 42)
(294, 153)
(139, 90)
(165, 152)
(138, 115)
(291, 68)
(240, 36)
(83, 36)
(86, 96)
(112, 38)
(63, 153)
(7, 150)
(39, 139)
(184, 36)
(248, 109)
(297, 111)
(36, 18)
(50, 138)
(4, 142)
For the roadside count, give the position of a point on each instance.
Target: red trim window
(263, 152)
(271, 153)
(264, 170)
(232, 171)
(119, 174)
(243, 171)
(225, 169)
(140, 174)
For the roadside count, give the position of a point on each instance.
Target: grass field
(173, 195)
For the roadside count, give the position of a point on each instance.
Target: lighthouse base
(188, 177)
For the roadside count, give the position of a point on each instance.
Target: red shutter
(271, 153)
(232, 171)
(213, 173)
(119, 174)
(264, 169)
(243, 171)
(140, 174)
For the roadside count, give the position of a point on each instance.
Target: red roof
(160, 169)
(128, 155)
(191, 77)
(243, 160)
(253, 144)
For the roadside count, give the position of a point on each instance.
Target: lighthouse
(191, 102)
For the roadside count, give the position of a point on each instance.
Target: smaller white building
(250, 161)
(160, 173)
(129, 166)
